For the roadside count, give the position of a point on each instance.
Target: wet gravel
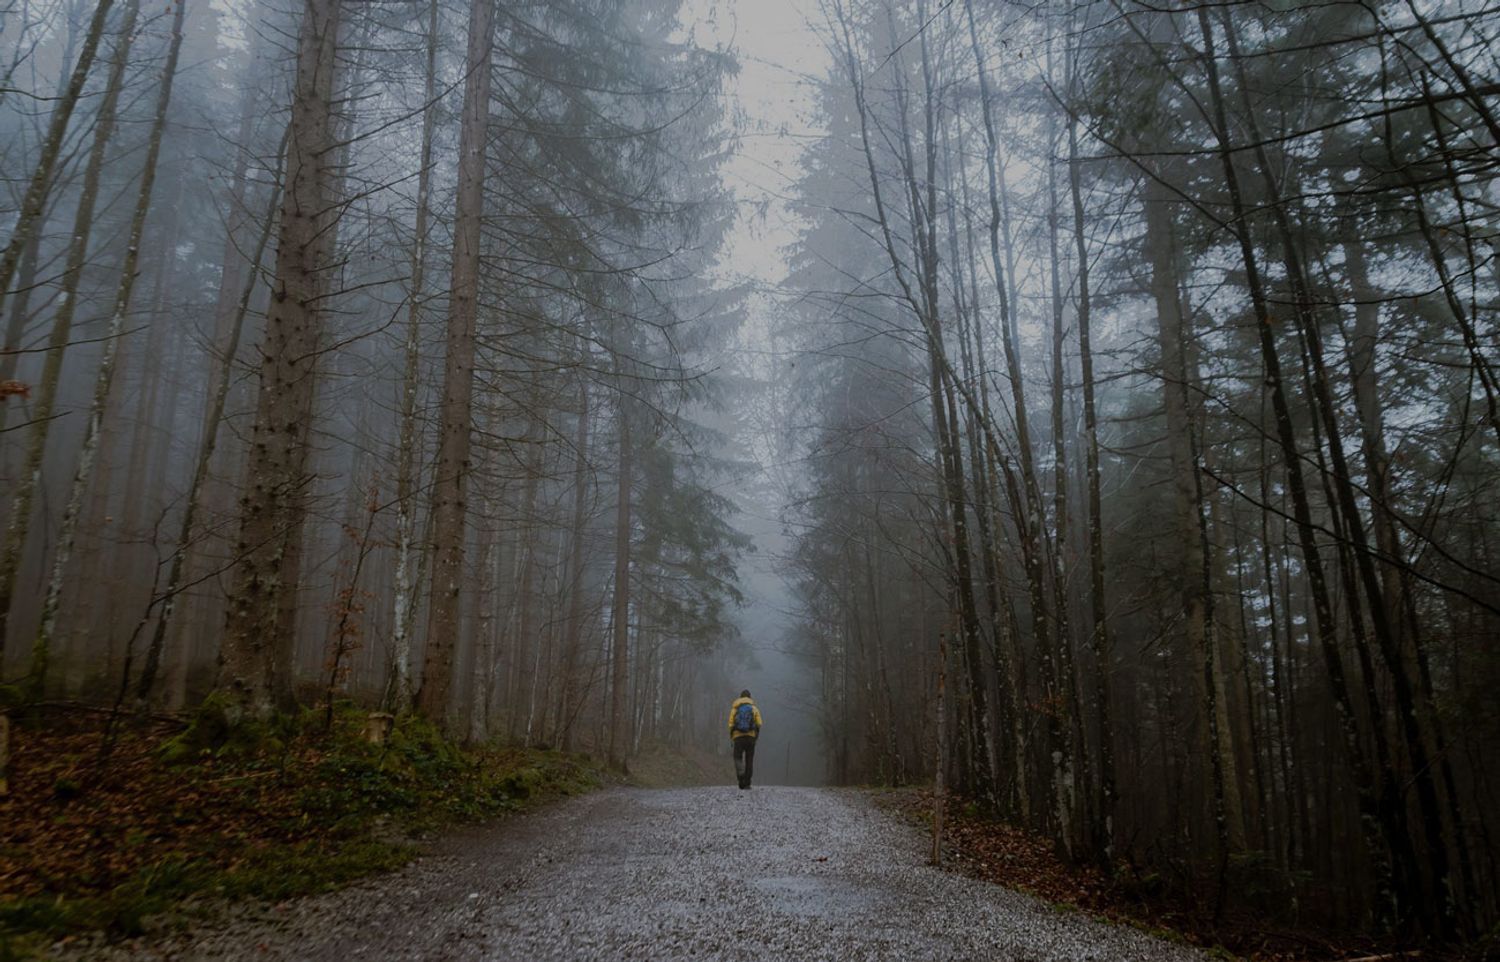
(703, 873)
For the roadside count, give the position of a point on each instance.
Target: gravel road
(704, 873)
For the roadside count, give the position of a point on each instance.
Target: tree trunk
(1100, 638)
(404, 597)
(18, 526)
(942, 380)
(105, 377)
(450, 480)
(1439, 901)
(1378, 814)
(207, 443)
(34, 203)
(525, 642)
(1029, 508)
(1009, 658)
(1079, 778)
(568, 705)
(272, 507)
(939, 788)
(1196, 596)
(1399, 600)
(483, 638)
(619, 738)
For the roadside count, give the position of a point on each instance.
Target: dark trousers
(744, 760)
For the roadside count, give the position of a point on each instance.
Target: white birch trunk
(105, 377)
(18, 526)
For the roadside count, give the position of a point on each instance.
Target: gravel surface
(704, 873)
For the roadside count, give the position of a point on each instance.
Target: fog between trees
(1125, 402)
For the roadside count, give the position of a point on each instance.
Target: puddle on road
(816, 897)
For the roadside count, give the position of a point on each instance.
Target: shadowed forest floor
(986, 848)
(176, 816)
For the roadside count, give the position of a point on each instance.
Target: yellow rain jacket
(736, 707)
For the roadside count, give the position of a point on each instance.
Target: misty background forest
(1089, 406)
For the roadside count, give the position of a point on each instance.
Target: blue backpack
(744, 718)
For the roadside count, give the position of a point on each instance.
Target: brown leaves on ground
(987, 848)
(73, 825)
(262, 811)
(1006, 855)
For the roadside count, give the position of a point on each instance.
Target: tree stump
(378, 727)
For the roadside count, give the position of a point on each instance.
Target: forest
(1121, 390)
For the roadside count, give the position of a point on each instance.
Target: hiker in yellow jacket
(744, 729)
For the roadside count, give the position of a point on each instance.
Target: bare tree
(103, 381)
(451, 473)
(404, 594)
(43, 174)
(19, 525)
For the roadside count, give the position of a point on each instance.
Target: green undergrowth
(176, 822)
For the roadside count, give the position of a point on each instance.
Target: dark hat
(745, 693)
